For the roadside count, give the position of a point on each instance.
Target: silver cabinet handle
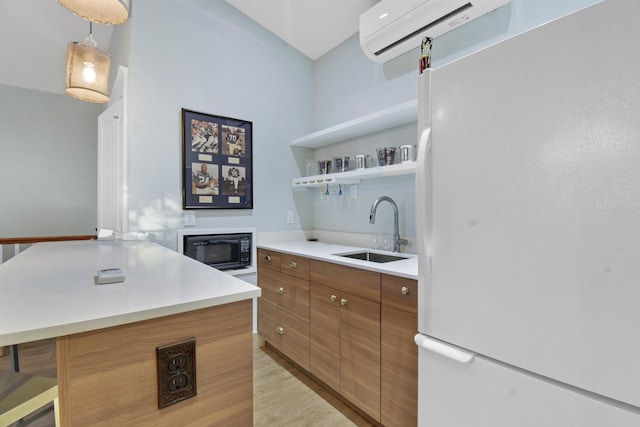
(279, 330)
(293, 264)
(334, 298)
(404, 290)
(280, 290)
(267, 258)
(343, 301)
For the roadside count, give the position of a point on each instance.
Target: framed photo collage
(216, 162)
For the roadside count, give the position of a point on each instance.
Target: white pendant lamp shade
(87, 72)
(101, 11)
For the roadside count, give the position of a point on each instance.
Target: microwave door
(200, 253)
(224, 254)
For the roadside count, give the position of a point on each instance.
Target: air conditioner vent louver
(408, 21)
(425, 28)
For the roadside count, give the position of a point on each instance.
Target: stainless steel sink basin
(373, 256)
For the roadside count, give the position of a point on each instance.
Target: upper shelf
(397, 115)
(354, 177)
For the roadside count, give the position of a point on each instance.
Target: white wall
(206, 56)
(348, 85)
(47, 164)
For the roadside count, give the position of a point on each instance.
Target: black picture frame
(217, 162)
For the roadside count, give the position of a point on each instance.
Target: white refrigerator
(528, 223)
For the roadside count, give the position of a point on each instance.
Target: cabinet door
(287, 333)
(360, 353)
(399, 386)
(287, 292)
(324, 346)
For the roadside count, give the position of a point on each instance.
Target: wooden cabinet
(360, 353)
(107, 377)
(399, 368)
(345, 333)
(324, 348)
(283, 308)
(352, 329)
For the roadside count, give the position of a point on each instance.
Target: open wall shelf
(397, 115)
(354, 177)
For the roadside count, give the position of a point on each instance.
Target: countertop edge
(321, 251)
(20, 337)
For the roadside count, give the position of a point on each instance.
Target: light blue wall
(348, 85)
(206, 56)
(48, 151)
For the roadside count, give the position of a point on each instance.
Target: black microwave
(221, 251)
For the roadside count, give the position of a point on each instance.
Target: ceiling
(314, 27)
(34, 33)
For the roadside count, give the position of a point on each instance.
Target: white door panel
(482, 393)
(536, 202)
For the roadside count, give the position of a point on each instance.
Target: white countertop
(49, 290)
(407, 268)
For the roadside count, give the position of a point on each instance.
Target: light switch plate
(290, 217)
(189, 219)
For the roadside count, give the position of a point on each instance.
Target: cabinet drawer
(363, 283)
(287, 292)
(287, 333)
(295, 266)
(400, 293)
(268, 259)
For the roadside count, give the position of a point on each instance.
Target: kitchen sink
(373, 256)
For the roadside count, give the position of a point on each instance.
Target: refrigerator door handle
(444, 349)
(423, 203)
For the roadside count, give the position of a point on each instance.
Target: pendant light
(101, 11)
(88, 70)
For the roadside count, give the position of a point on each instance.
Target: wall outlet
(176, 372)
(290, 217)
(189, 219)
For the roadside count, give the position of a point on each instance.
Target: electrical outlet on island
(176, 372)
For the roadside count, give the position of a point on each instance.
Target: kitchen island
(107, 335)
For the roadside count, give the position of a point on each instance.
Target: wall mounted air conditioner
(393, 27)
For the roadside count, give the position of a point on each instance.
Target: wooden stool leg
(15, 362)
(56, 412)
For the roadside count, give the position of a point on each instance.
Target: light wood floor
(282, 395)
